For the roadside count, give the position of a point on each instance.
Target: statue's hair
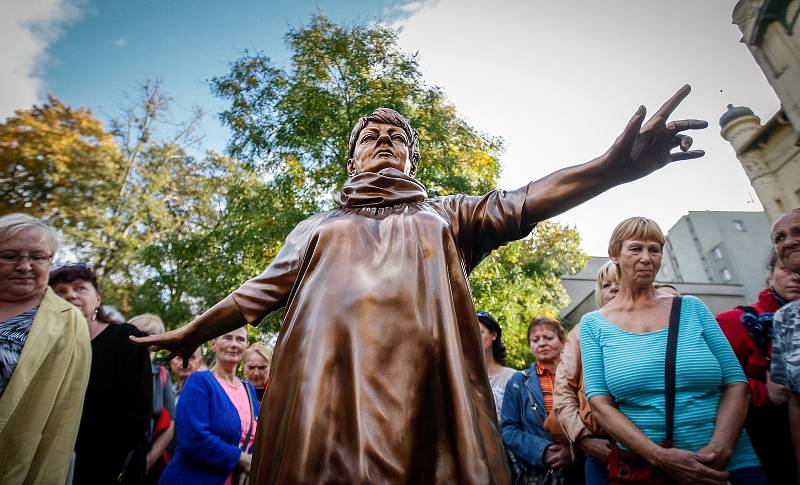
(392, 117)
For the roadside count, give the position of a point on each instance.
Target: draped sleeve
(270, 290)
(483, 224)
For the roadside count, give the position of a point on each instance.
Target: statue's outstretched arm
(220, 319)
(641, 149)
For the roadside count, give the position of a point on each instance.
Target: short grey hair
(13, 224)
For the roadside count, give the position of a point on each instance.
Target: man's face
(786, 239)
(379, 146)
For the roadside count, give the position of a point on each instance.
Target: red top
(752, 359)
(546, 381)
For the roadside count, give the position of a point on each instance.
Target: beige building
(770, 152)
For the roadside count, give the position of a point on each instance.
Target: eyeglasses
(37, 259)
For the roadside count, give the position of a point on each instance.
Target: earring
(94, 317)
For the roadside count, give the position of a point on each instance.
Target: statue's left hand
(644, 148)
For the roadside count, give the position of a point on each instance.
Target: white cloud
(559, 80)
(121, 42)
(27, 28)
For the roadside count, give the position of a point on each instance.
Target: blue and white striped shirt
(13, 334)
(629, 367)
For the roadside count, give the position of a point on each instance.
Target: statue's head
(383, 139)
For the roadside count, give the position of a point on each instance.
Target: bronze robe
(378, 373)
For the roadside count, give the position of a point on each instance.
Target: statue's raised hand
(644, 148)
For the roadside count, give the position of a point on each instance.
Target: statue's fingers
(144, 340)
(674, 127)
(682, 141)
(667, 108)
(625, 140)
(677, 156)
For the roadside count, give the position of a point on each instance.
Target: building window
(739, 226)
(726, 275)
(717, 252)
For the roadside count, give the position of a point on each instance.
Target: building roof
(733, 113)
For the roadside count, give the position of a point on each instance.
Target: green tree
(337, 75)
(523, 280)
(293, 126)
(59, 163)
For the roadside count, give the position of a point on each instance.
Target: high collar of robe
(380, 189)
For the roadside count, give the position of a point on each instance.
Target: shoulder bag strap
(252, 418)
(669, 364)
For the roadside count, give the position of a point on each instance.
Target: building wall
(770, 153)
(769, 30)
(719, 247)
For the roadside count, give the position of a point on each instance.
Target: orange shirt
(547, 380)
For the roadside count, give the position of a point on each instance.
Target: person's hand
(178, 342)
(150, 461)
(644, 148)
(777, 393)
(557, 456)
(687, 467)
(597, 448)
(714, 456)
(244, 462)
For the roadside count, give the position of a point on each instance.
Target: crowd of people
(82, 404)
(385, 373)
(86, 405)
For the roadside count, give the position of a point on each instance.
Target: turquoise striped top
(629, 367)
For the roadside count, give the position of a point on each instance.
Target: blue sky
(556, 80)
(115, 44)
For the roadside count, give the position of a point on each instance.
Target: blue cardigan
(522, 427)
(207, 431)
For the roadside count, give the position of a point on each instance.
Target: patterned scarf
(760, 326)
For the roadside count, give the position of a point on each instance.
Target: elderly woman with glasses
(111, 445)
(44, 358)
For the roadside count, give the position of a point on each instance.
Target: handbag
(241, 477)
(524, 474)
(626, 467)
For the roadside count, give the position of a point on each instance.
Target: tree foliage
(337, 75)
(523, 280)
(172, 232)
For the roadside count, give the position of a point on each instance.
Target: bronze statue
(378, 373)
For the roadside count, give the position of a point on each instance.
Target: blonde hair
(148, 324)
(638, 228)
(13, 224)
(552, 323)
(260, 349)
(607, 271)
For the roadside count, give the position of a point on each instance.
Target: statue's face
(379, 146)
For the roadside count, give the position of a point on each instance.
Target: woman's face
(24, 265)
(545, 345)
(609, 288)
(82, 294)
(379, 146)
(785, 282)
(229, 348)
(638, 262)
(256, 370)
(487, 337)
